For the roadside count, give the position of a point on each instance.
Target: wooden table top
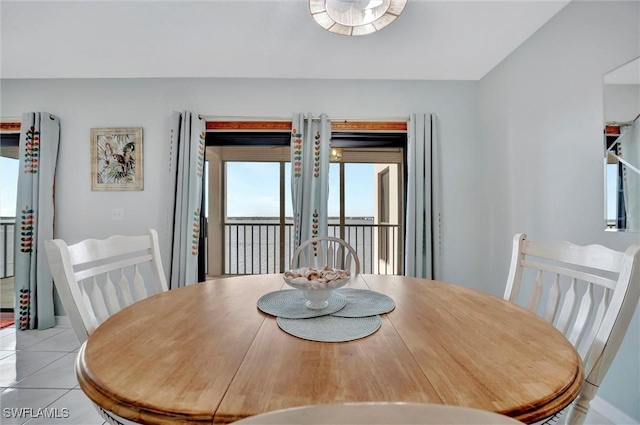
(206, 354)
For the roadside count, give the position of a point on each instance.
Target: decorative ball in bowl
(317, 284)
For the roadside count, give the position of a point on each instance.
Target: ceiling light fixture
(355, 17)
(335, 154)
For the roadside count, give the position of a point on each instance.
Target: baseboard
(611, 412)
(63, 322)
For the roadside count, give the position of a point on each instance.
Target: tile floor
(36, 371)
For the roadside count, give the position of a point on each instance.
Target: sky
(253, 189)
(610, 195)
(8, 186)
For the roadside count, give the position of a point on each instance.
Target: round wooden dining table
(206, 354)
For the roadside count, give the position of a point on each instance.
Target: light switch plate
(117, 214)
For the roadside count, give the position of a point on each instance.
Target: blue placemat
(330, 328)
(290, 304)
(363, 302)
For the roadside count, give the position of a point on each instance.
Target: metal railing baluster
(5, 227)
(237, 249)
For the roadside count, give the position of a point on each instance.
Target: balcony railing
(256, 247)
(7, 230)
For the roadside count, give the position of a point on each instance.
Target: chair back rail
(589, 293)
(594, 256)
(97, 278)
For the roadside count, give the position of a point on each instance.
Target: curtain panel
(424, 198)
(310, 139)
(38, 155)
(186, 172)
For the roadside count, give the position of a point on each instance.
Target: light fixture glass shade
(335, 154)
(355, 17)
(357, 12)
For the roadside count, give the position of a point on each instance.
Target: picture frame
(116, 159)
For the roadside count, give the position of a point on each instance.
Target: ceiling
(431, 40)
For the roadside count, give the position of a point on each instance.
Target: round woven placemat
(289, 303)
(363, 302)
(330, 328)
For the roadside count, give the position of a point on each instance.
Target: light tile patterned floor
(36, 371)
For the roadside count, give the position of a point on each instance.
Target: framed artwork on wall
(116, 159)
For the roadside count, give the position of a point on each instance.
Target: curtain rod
(19, 119)
(250, 118)
(10, 119)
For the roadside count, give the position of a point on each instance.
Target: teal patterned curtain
(38, 154)
(310, 139)
(186, 168)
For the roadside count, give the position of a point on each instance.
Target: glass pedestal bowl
(317, 284)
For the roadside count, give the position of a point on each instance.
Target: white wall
(621, 102)
(148, 103)
(541, 151)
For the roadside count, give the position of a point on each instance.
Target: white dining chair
(379, 413)
(326, 251)
(84, 274)
(589, 293)
(97, 278)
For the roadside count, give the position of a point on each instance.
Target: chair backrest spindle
(111, 297)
